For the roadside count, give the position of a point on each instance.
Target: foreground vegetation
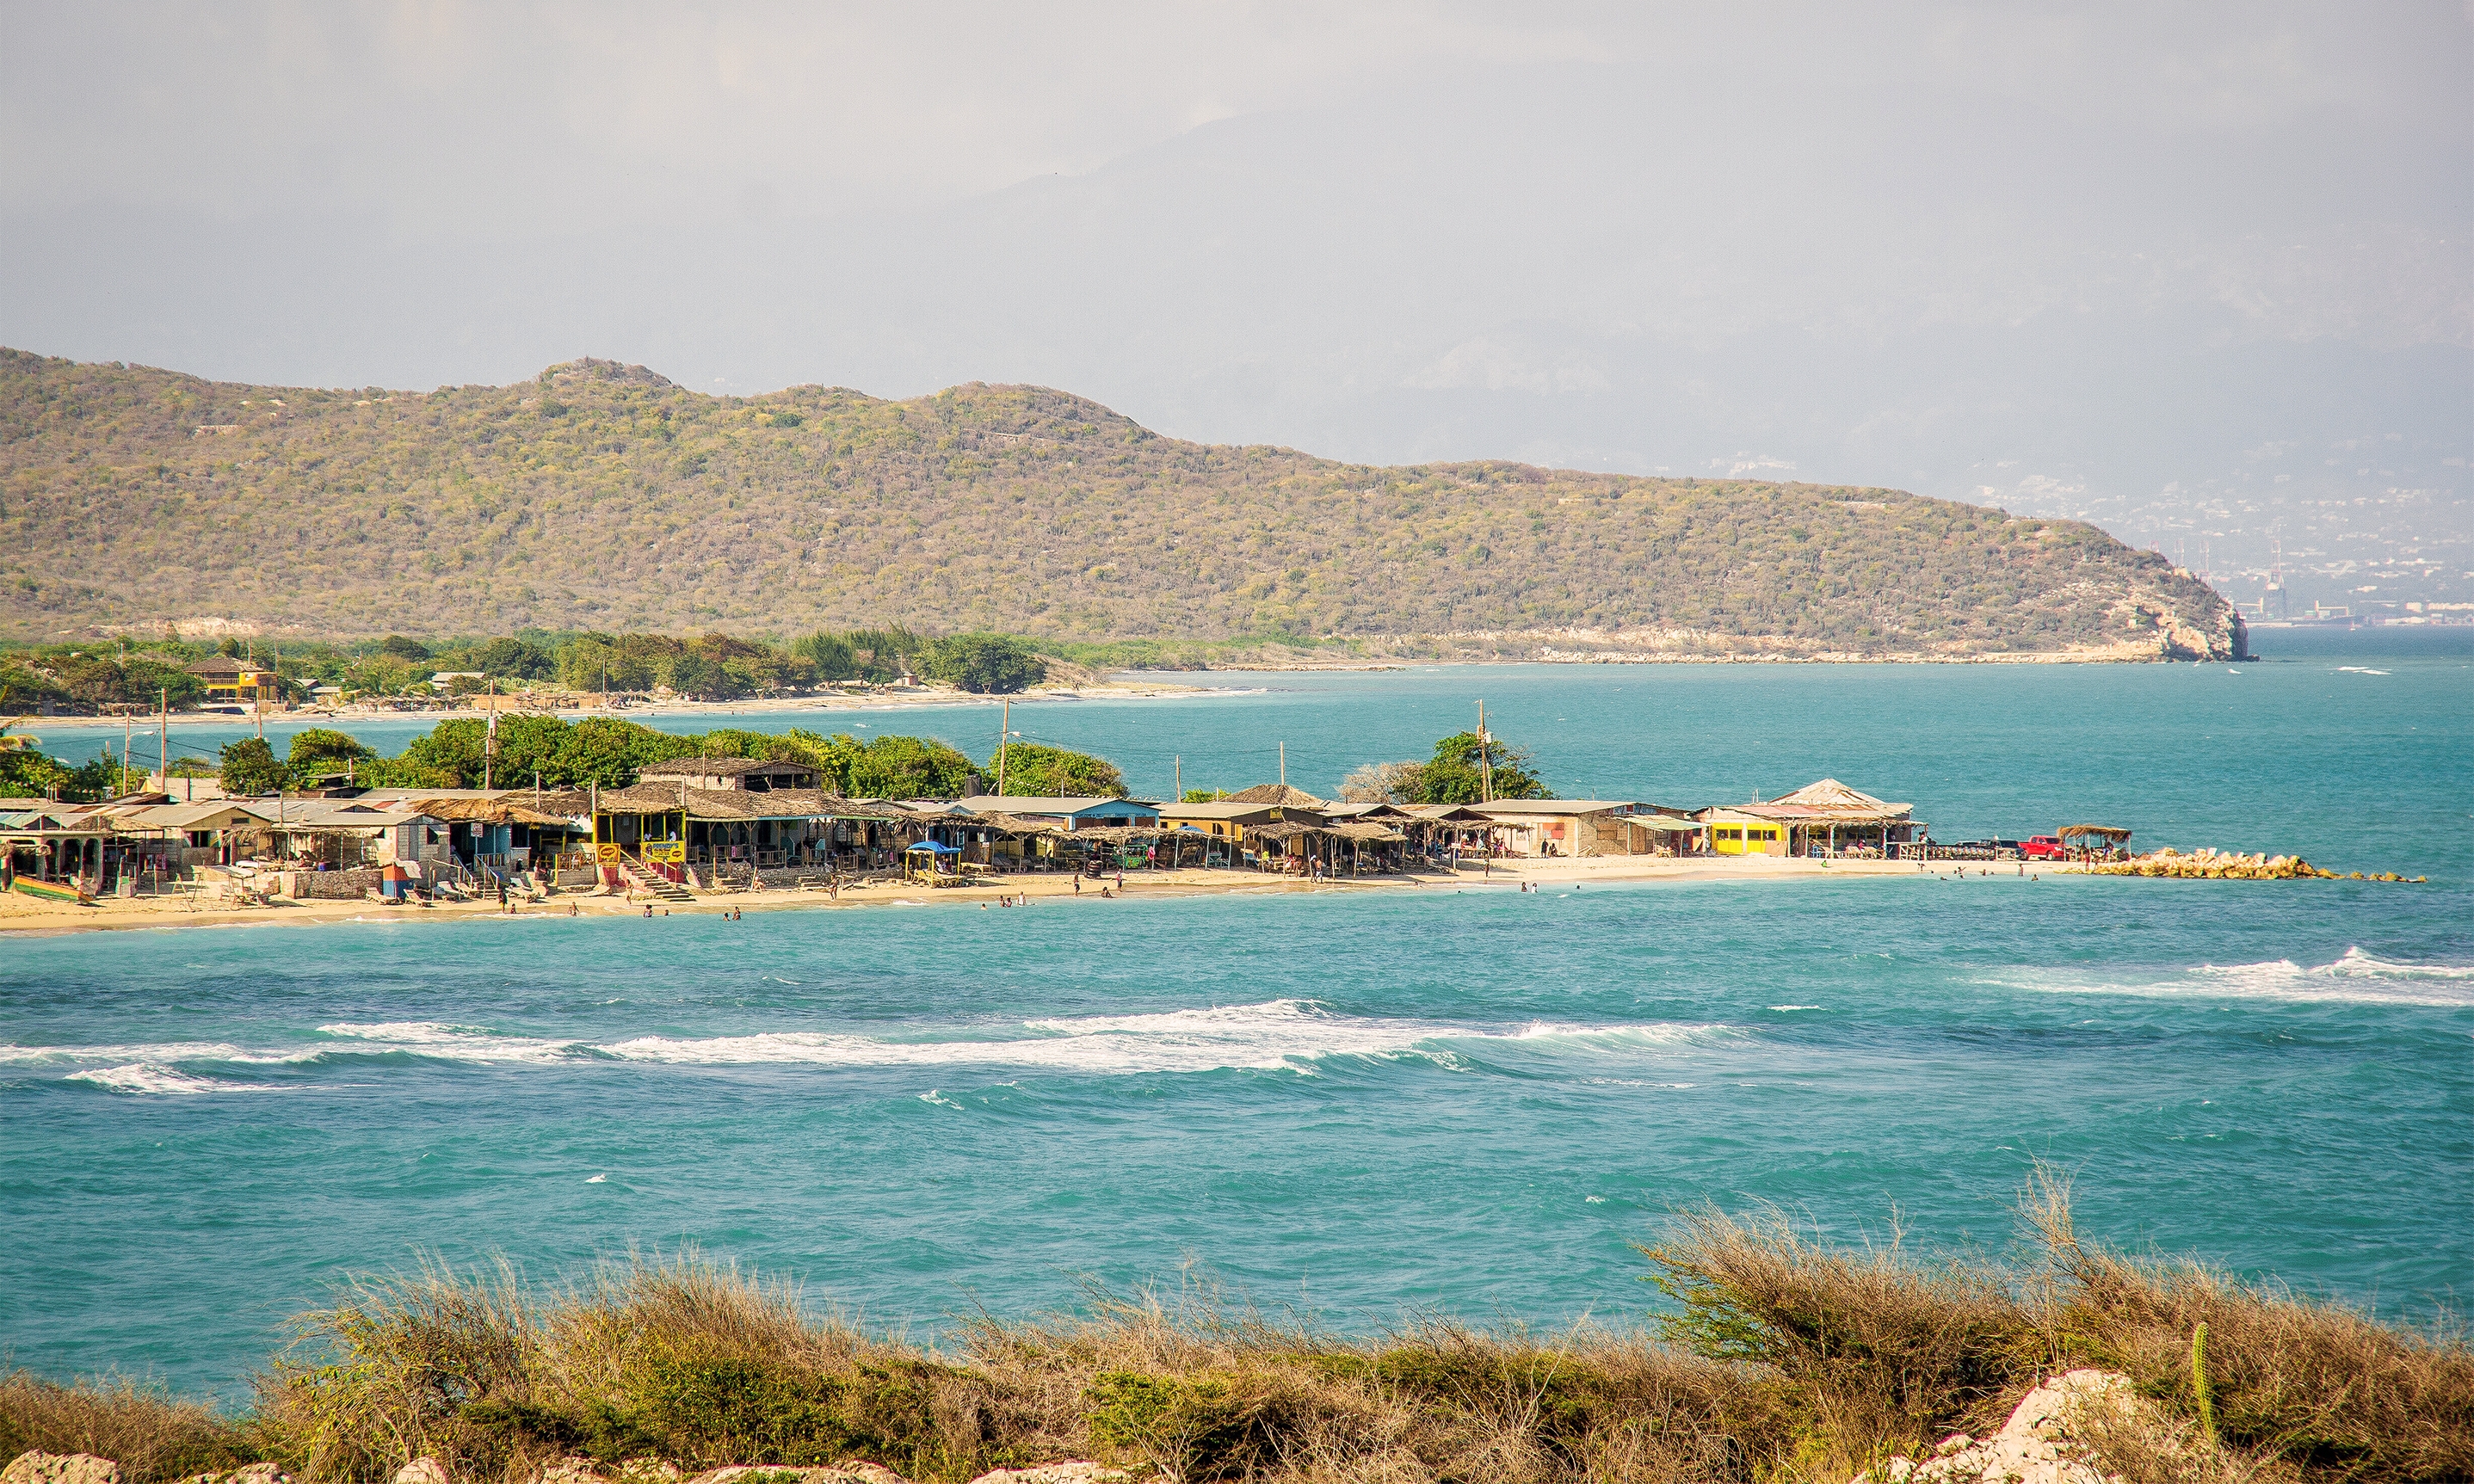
(600, 497)
(1778, 1359)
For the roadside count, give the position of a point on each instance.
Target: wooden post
(1485, 761)
(1004, 734)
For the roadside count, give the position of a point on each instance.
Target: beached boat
(53, 891)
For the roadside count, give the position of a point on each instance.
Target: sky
(2202, 273)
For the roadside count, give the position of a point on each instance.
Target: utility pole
(127, 732)
(1484, 759)
(1178, 762)
(1284, 765)
(490, 739)
(1004, 734)
(163, 743)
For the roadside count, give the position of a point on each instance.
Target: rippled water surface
(1351, 1100)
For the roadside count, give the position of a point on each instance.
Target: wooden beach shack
(1825, 817)
(1586, 827)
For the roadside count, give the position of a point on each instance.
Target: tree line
(112, 675)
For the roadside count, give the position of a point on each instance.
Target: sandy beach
(20, 914)
(646, 710)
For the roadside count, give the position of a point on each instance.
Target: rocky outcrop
(255, 1474)
(37, 1466)
(423, 1470)
(2042, 1443)
(1070, 1471)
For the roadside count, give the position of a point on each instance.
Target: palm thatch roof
(1832, 802)
(1276, 793)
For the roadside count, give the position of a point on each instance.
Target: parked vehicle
(2041, 848)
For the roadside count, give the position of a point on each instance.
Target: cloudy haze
(2193, 275)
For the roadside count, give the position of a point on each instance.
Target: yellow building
(1735, 833)
(233, 682)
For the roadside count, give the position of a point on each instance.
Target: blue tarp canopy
(941, 849)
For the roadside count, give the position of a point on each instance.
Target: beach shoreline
(789, 706)
(25, 917)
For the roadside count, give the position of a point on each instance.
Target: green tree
(322, 750)
(515, 660)
(250, 767)
(898, 767)
(831, 656)
(1038, 771)
(1456, 774)
(985, 663)
(402, 648)
(23, 688)
(27, 774)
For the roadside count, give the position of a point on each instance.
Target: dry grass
(2318, 1385)
(1785, 1359)
(154, 1436)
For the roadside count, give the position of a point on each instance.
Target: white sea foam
(1281, 1034)
(450, 1042)
(2355, 977)
(154, 1079)
(1276, 1034)
(172, 1051)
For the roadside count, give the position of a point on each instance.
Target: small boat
(54, 891)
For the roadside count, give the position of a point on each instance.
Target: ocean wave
(452, 1043)
(1282, 1033)
(172, 1051)
(1276, 1034)
(155, 1079)
(2354, 977)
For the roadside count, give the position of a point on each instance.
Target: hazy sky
(2122, 258)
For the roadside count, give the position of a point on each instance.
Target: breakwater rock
(2214, 865)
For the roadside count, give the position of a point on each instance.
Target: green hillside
(602, 496)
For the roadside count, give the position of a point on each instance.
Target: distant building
(1068, 814)
(233, 682)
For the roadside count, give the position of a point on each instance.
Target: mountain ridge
(601, 495)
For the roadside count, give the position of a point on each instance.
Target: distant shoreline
(25, 917)
(1149, 688)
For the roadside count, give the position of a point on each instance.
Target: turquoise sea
(1354, 1101)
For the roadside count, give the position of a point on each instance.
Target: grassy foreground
(1781, 1360)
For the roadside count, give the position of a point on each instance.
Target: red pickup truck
(2041, 848)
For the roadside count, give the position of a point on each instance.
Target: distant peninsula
(601, 496)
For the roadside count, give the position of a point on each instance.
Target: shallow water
(1351, 1101)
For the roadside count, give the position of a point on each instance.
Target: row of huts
(704, 819)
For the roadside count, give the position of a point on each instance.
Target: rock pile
(2038, 1444)
(40, 1468)
(2214, 865)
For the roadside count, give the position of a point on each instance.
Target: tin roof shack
(1071, 815)
(1570, 826)
(170, 837)
(725, 774)
(242, 684)
(349, 834)
(1826, 817)
(1226, 819)
(500, 830)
